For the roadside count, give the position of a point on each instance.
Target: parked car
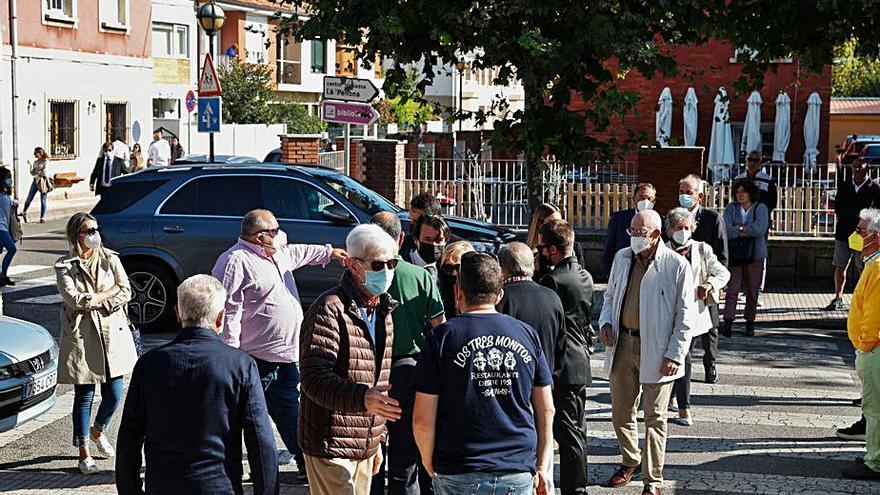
(871, 154)
(217, 159)
(852, 146)
(28, 371)
(170, 223)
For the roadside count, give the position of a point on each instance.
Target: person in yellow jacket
(863, 327)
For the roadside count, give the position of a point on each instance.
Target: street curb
(62, 212)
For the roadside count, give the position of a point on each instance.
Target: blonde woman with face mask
(96, 346)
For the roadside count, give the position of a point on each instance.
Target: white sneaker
(102, 445)
(88, 466)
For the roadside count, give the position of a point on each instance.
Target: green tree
(854, 75)
(246, 93)
(297, 118)
(403, 104)
(559, 48)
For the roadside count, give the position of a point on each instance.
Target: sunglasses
(378, 266)
(271, 232)
(91, 231)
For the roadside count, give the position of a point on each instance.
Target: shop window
(116, 122)
(63, 129)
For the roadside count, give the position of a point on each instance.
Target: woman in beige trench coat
(96, 341)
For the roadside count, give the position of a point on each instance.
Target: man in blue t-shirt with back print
(483, 414)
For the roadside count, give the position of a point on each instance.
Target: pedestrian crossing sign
(209, 83)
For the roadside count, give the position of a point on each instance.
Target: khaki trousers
(339, 476)
(625, 391)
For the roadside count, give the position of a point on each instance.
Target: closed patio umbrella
(721, 154)
(751, 136)
(782, 127)
(811, 132)
(664, 118)
(690, 118)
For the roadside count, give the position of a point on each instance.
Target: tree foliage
(562, 48)
(403, 104)
(248, 99)
(853, 75)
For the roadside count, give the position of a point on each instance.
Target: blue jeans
(83, 396)
(484, 484)
(281, 385)
(30, 197)
(8, 244)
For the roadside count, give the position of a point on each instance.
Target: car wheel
(154, 294)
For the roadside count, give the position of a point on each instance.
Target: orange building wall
(844, 125)
(86, 37)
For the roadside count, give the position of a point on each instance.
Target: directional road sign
(349, 89)
(209, 83)
(348, 113)
(210, 114)
(190, 101)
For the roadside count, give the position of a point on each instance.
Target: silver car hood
(20, 340)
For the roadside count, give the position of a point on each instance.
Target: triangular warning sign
(209, 83)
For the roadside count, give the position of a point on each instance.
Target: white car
(28, 371)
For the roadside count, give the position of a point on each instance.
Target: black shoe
(834, 305)
(855, 432)
(861, 472)
(750, 329)
(711, 375)
(857, 402)
(6, 281)
(727, 329)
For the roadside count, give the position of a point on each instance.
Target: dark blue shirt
(483, 367)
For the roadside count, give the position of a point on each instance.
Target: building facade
(174, 41)
(82, 70)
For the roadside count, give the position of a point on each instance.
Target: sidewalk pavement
(60, 208)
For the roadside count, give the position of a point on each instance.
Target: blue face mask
(9, 182)
(686, 200)
(378, 282)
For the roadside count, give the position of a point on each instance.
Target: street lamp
(461, 65)
(211, 17)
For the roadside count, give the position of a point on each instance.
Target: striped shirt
(263, 312)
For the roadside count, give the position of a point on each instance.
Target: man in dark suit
(710, 229)
(617, 238)
(423, 203)
(107, 167)
(574, 286)
(188, 404)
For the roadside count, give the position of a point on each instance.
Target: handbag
(710, 297)
(741, 250)
(136, 337)
(45, 184)
(15, 224)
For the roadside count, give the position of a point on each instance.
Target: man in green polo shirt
(420, 308)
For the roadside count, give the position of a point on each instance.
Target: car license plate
(38, 386)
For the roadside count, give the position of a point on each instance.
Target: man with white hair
(263, 311)
(345, 362)
(863, 327)
(710, 229)
(646, 324)
(189, 403)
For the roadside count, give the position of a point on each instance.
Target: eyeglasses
(378, 266)
(641, 233)
(91, 231)
(271, 232)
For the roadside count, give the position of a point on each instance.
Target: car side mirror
(338, 214)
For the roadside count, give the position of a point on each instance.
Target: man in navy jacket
(616, 237)
(188, 403)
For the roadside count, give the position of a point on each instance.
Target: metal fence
(332, 159)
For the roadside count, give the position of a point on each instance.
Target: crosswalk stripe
(33, 283)
(827, 377)
(16, 270)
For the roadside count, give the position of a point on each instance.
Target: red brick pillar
(300, 148)
(384, 168)
(665, 167)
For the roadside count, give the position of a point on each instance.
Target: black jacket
(540, 308)
(574, 286)
(709, 230)
(117, 168)
(849, 203)
(188, 403)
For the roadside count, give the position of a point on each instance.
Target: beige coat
(93, 337)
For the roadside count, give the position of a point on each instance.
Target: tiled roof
(855, 106)
(261, 4)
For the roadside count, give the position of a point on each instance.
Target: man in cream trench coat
(647, 323)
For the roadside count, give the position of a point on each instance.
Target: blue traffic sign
(190, 101)
(209, 114)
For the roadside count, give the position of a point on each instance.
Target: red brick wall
(383, 168)
(300, 148)
(707, 67)
(664, 167)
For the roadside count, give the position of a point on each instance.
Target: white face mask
(280, 240)
(93, 241)
(645, 204)
(639, 244)
(681, 237)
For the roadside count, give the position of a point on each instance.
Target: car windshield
(365, 199)
(872, 151)
(861, 144)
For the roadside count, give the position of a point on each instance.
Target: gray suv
(172, 222)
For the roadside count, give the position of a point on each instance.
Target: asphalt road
(766, 427)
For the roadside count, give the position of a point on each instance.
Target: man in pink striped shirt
(263, 312)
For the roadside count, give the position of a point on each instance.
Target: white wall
(86, 78)
(236, 139)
